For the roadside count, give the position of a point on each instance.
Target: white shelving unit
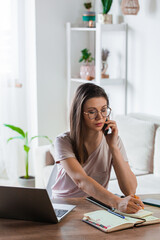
(99, 29)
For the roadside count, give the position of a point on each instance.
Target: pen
(117, 214)
(136, 197)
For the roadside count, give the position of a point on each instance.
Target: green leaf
(42, 137)
(88, 5)
(106, 5)
(16, 129)
(81, 59)
(26, 138)
(18, 137)
(103, 2)
(26, 148)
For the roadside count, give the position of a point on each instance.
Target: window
(9, 43)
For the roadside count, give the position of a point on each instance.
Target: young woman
(85, 155)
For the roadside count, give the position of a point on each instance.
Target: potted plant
(105, 17)
(87, 70)
(27, 180)
(88, 16)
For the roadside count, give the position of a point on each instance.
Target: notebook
(110, 222)
(30, 204)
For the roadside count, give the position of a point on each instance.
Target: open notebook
(109, 222)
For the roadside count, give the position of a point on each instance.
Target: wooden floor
(72, 228)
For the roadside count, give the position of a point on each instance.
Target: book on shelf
(109, 221)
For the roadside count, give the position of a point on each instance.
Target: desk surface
(72, 228)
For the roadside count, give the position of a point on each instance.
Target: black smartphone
(105, 131)
(97, 202)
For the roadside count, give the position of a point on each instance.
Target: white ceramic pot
(105, 18)
(87, 72)
(26, 182)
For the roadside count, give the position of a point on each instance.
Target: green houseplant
(86, 56)
(24, 137)
(87, 70)
(105, 17)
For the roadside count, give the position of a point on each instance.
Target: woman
(85, 155)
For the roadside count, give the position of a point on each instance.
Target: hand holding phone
(105, 131)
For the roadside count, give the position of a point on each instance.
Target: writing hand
(130, 204)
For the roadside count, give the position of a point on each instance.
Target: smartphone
(97, 202)
(152, 202)
(105, 131)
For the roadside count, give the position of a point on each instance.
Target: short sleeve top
(98, 166)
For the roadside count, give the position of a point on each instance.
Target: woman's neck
(92, 136)
(92, 140)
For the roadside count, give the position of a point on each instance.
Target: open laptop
(30, 204)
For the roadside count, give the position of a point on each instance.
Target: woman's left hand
(112, 138)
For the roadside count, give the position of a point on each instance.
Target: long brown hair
(83, 93)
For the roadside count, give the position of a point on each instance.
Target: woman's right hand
(130, 204)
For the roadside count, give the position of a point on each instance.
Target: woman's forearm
(94, 189)
(126, 179)
(128, 204)
(88, 184)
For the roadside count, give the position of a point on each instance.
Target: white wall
(144, 58)
(51, 18)
(143, 69)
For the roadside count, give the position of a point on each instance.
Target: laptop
(30, 204)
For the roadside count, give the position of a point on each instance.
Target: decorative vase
(27, 182)
(130, 7)
(105, 18)
(89, 19)
(104, 69)
(87, 72)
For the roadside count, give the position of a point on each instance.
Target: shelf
(114, 27)
(103, 81)
(83, 29)
(79, 80)
(98, 33)
(104, 27)
(112, 81)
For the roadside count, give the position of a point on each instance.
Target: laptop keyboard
(60, 212)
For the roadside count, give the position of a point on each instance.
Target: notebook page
(151, 220)
(107, 219)
(140, 214)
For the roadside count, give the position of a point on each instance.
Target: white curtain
(18, 85)
(11, 93)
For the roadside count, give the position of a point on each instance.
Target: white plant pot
(26, 182)
(105, 18)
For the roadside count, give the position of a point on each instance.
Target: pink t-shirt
(98, 166)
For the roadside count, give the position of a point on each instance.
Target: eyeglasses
(105, 112)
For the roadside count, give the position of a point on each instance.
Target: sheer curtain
(8, 78)
(14, 85)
